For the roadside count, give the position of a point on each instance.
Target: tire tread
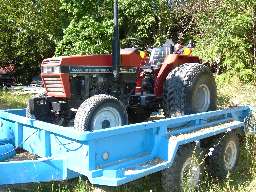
(86, 109)
(177, 85)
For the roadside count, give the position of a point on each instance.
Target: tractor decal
(82, 69)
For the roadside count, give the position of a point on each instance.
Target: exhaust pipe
(116, 44)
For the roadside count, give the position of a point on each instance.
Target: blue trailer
(118, 155)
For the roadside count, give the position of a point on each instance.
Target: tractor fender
(170, 62)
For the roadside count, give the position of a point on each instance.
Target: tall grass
(232, 92)
(12, 100)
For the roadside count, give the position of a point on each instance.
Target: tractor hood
(130, 57)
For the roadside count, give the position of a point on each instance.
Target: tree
(225, 31)
(29, 31)
(90, 30)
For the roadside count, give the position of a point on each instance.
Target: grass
(9, 100)
(230, 93)
(233, 92)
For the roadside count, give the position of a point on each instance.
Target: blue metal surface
(112, 156)
(6, 151)
(33, 171)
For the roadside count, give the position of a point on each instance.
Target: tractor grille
(53, 85)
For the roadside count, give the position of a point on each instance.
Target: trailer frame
(111, 157)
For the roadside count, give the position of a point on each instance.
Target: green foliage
(232, 91)
(28, 33)
(86, 36)
(90, 31)
(225, 31)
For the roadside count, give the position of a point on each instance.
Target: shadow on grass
(147, 184)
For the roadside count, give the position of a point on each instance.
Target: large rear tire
(100, 112)
(189, 88)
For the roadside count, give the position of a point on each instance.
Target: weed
(11, 100)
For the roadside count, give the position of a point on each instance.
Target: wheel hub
(201, 98)
(105, 124)
(106, 118)
(190, 173)
(230, 155)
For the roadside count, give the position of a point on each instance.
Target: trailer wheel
(225, 156)
(185, 172)
(100, 112)
(189, 88)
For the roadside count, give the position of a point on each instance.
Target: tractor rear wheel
(189, 88)
(100, 112)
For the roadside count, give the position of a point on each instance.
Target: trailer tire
(225, 156)
(189, 88)
(100, 112)
(188, 158)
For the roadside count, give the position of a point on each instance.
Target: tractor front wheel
(100, 112)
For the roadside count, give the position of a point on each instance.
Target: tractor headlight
(44, 69)
(51, 69)
(56, 69)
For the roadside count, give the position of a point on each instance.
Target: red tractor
(101, 91)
